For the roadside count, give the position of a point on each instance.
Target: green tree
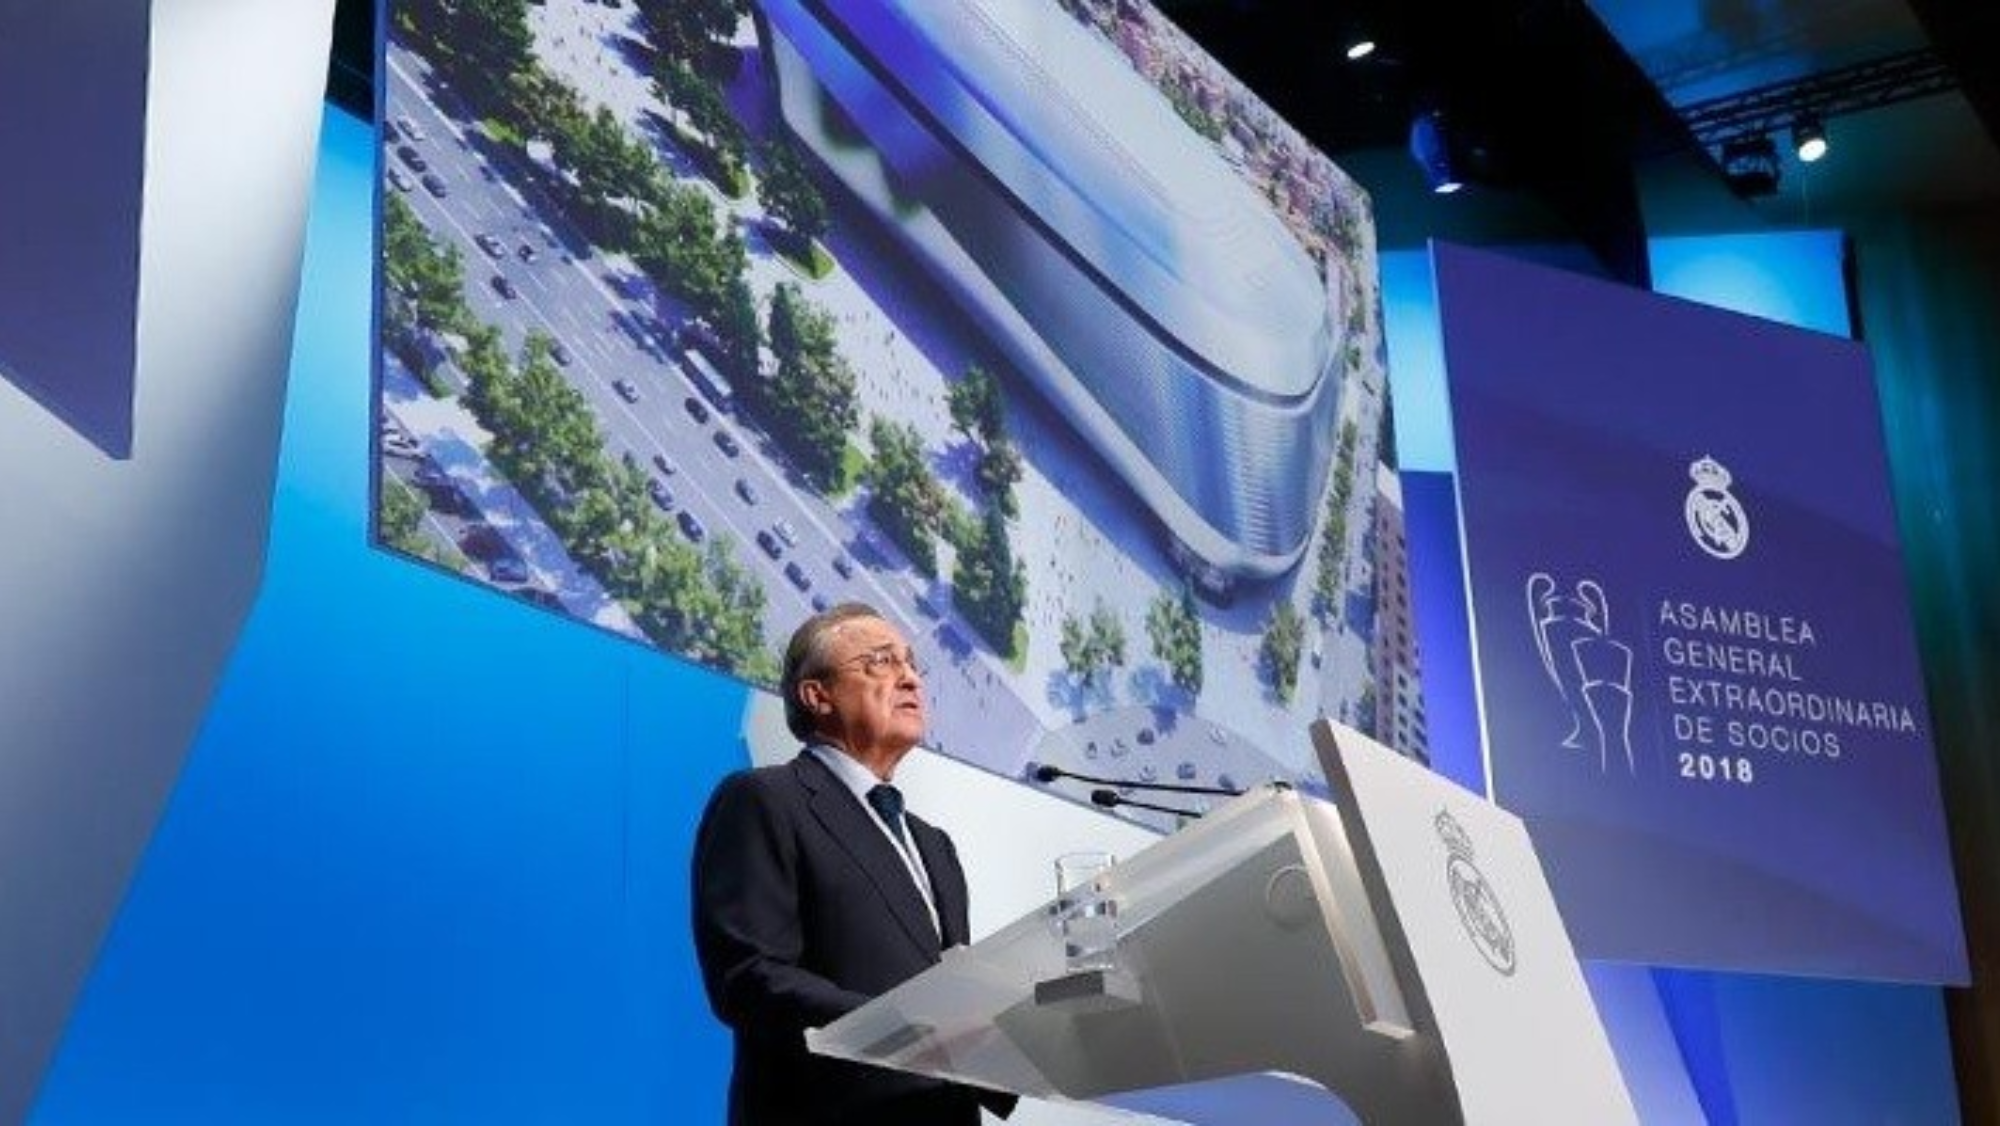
(734, 311)
(400, 516)
(479, 44)
(545, 436)
(975, 405)
(908, 500)
(1333, 536)
(1092, 646)
(685, 30)
(1000, 469)
(989, 585)
(545, 107)
(617, 178)
(1074, 645)
(679, 244)
(791, 197)
(1107, 635)
(1284, 640)
(685, 249)
(738, 628)
(979, 412)
(1173, 626)
(708, 117)
(424, 285)
(810, 400)
(490, 392)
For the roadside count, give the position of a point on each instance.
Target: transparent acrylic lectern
(1270, 936)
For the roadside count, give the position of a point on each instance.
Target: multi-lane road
(528, 270)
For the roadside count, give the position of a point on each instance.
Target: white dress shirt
(858, 780)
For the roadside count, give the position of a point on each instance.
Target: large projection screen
(1023, 321)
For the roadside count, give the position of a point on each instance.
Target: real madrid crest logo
(1715, 518)
(1478, 908)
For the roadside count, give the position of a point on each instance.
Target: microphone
(1111, 799)
(1045, 774)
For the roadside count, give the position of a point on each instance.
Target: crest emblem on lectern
(1478, 907)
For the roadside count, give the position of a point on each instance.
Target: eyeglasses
(885, 662)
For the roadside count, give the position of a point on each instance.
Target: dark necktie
(888, 803)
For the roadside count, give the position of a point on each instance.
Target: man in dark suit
(814, 891)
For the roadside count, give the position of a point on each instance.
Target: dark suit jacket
(802, 912)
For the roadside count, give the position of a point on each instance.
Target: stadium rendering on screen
(1021, 320)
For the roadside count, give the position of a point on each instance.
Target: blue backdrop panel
(1697, 668)
(1750, 1046)
(436, 870)
(428, 858)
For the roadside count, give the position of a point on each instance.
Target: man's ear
(814, 696)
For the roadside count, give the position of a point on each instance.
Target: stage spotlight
(1357, 40)
(1809, 137)
(1750, 165)
(1430, 147)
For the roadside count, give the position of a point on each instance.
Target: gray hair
(805, 659)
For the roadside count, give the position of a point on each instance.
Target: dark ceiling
(1539, 98)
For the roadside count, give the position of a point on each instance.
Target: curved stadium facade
(1109, 250)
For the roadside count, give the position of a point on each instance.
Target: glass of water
(1087, 918)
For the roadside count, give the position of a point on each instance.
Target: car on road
(843, 565)
(1147, 736)
(819, 603)
(786, 532)
(696, 409)
(727, 443)
(665, 464)
(770, 543)
(1148, 772)
(430, 476)
(490, 243)
(798, 576)
(698, 333)
(410, 156)
(526, 253)
(625, 390)
(662, 496)
(560, 353)
(483, 542)
(746, 490)
(1185, 771)
(434, 184)
(400, 179)
(691, 527)
(1226, 781)
(397, 442)
(507, 569)
(409, 129)
(503, 286)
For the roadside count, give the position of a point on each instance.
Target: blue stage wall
(427, 860)
(1744, 1048)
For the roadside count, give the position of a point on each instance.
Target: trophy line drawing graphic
(1591, 669)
